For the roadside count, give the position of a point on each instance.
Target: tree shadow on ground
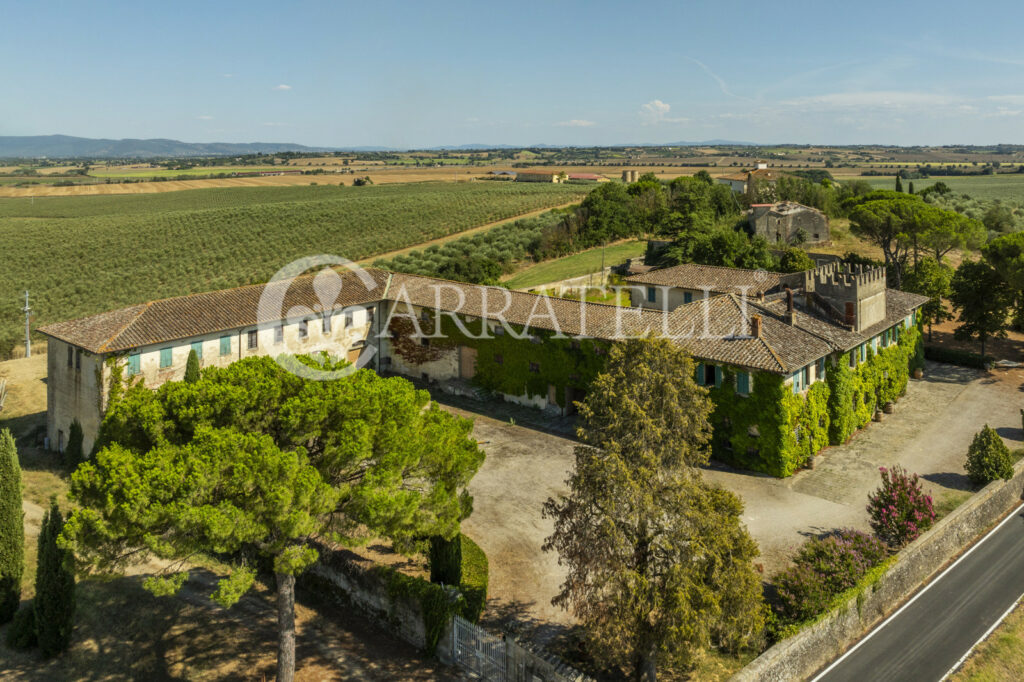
(940, 372)
(124, 632)
(1010, 433)
(950, 479)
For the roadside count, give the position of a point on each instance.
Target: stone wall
(801, 655)
(343, 575)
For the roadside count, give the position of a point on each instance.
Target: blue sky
(415, 74)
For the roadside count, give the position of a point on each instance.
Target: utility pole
(28, 339)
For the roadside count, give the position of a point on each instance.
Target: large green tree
(54, 603)
(659, 564)
(930, 278)
(890, 224)
(1006, 255)
(12, 529)
(327, 458)
(981, 300)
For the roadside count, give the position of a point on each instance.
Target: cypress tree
(12, 530)
(899, 183)
(54, 602)
(446, 560)
(73, 452)
(192, 368)
(910, 190)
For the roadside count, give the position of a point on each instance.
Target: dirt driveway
(929, 434)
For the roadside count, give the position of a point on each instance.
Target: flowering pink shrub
(899, 509)
(823, 568)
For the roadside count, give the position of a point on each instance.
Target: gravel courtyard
(929, 434)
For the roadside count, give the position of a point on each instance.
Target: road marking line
(983, 638)
(927, 587)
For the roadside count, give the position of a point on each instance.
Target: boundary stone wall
(800, 656)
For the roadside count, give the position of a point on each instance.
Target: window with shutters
(687, 297)
(710, 374)
(652, 295)
(134, 363)
(197, 346)
(225, 345)
(166, 357)
(279, 334)
(743, 383)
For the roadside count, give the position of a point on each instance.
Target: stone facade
(789, 223)
(858, 294)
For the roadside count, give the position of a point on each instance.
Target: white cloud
(656, 111)
(1006, 99)
(229, 75)
(204, 118)
(576, 123)
(282, 87)
(275, 124)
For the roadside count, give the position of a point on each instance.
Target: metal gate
(478, 651)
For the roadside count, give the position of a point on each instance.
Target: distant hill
(65, 146)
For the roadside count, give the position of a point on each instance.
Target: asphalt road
(929, 635)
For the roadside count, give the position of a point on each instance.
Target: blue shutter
(699, 378)
(742, 383)
(225, 345)
(687, 297)
(166, 357)
(134, 363)
(718, 376)
(197, 346)
(652, 295)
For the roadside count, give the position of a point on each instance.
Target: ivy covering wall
(774, 431)
(518, 366)
(771, 430)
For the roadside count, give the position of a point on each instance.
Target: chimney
(755, 326)
(790, 311)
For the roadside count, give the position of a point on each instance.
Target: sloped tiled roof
(516, 307)
(187, 316)
(898, 304)
(718, 280)
(716, 329)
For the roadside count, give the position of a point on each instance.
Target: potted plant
(889, 407)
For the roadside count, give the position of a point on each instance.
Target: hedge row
(956, 357)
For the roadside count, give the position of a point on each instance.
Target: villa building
(765, 344)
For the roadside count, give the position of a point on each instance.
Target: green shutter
(134, 363)
(197, 346)
(166, 357)
(225, 345)
(742, 382)
(699, 375)
(718, 376)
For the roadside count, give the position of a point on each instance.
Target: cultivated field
(575, 265)
(83, 255)
(1005, 186)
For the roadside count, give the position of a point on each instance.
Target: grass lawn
(575, 265)
(1000, 657)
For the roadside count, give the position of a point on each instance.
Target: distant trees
(659, 563)
(12, 530)
(795, 260)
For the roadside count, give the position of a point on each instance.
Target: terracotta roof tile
(718, 280)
